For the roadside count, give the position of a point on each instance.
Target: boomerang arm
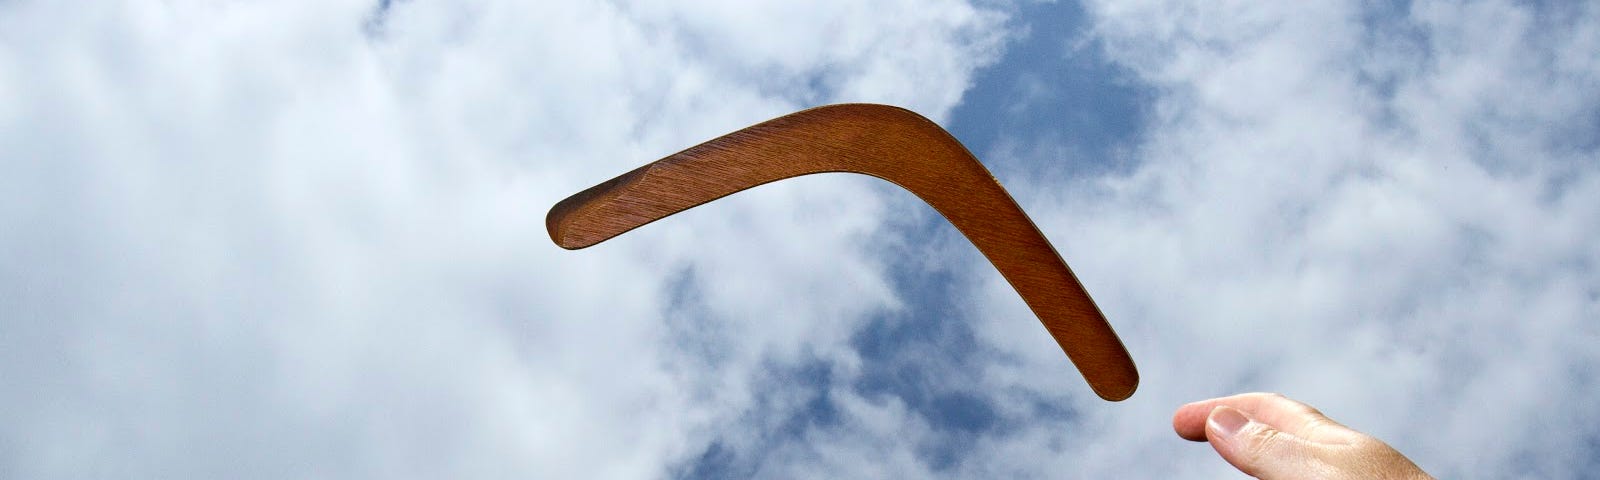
(891, 143)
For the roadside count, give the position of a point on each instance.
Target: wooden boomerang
(890, 143)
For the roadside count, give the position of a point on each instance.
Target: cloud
(305, 239)
(1384, 211)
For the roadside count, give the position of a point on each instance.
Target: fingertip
(1189, 421)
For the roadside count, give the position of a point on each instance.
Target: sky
(294, 239)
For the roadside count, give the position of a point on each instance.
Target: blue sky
(305, 239)
(1013, 106)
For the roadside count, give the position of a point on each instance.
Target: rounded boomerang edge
(890, 143)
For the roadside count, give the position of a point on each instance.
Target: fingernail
(1227, 421)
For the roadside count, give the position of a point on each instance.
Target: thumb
(1258, 449)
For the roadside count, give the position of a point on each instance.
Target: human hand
(1269, 436)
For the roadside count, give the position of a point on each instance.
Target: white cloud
(1390, 216)
(305, 238)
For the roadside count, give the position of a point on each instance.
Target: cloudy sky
(288, 239)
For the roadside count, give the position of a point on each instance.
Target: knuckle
(1263, 443)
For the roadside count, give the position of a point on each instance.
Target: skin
(1270, 437)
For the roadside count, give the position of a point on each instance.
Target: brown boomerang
(890, 143)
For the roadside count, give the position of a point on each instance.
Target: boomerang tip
(557, 223)
(1117, 392)
(573, 223)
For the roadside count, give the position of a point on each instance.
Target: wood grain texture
(890, 143)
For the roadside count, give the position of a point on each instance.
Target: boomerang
(886, 142)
